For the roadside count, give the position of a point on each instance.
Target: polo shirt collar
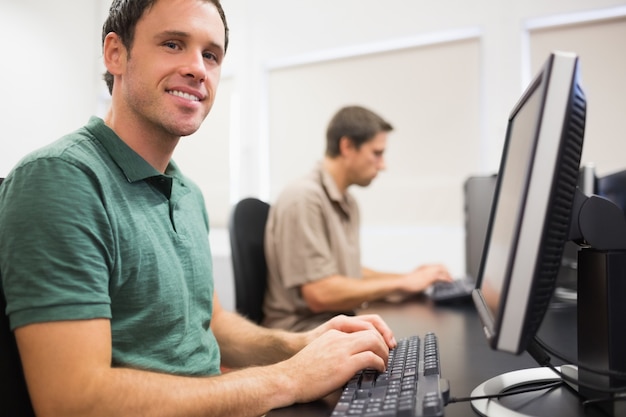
(132, 165)
(329, 184)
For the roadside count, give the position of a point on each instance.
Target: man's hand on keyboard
(424, 276)
(349, 324)
(330, 360)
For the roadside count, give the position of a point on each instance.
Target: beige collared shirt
(312, 233)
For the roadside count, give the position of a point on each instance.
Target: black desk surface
(467, 360)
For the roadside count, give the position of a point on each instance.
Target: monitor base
(504, 382)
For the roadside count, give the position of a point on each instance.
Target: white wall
(51, 83)
(285, 34)
(49, 70)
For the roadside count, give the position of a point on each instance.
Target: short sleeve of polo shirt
(57, 268)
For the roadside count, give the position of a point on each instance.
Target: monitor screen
(530, 216)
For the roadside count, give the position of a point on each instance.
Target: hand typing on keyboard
(411, 385)
(353, 342)
(352, 324)
(424, 276)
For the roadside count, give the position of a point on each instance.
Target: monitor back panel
(478, 195)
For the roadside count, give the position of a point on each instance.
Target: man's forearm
(370, 273)
(243, 343)
(68, 370)
(340, 293)
(126, 392)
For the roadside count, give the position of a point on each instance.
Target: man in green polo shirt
(105, 260)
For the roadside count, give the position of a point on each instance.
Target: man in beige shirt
(312, 235)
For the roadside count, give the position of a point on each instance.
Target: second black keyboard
(455, 291)
(411, 386)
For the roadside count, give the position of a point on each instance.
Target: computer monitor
(532, 207)
(478, 193)
(535, 198)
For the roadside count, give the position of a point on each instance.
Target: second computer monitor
(529, 223)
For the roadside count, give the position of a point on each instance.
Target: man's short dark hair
(357, 124)
(123, 18)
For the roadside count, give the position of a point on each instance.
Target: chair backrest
(14, 398)
(247, 231)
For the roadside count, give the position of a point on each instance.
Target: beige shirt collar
(328, 182)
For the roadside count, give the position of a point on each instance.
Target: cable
(567, 378)
(547, 385)
(593, 401)
(539, 351)
(564, 358)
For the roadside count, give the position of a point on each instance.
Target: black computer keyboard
(454, 291)
(411, 385)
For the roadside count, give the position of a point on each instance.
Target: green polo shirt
(88, 229)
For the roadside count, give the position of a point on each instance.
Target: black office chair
(246, 229)
(14, 398)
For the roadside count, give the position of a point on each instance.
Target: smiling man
(105, 261)
(312, 240)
